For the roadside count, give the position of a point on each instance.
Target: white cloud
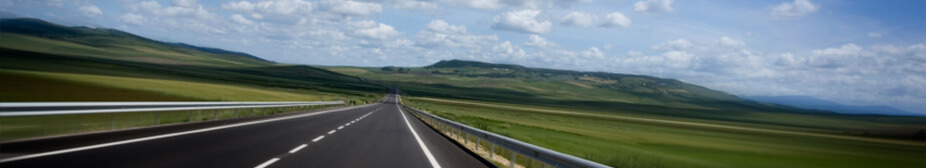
(580, 19)
(352, 8)
(443, 27)
(481, 4)
(538, 42)
(240, 19)
(848, 49)
(653, 6)
(874, 34)
(132, 18)
(191, 19)
(593, 53)
(731, 43)
(283, 7)
(788, 59)
(514, 4)
(793, 10)
(525, 21)
(679, 44)
(56, 3)
(186, 3)
(286, 12)
(241, 6)
(372, 30)
(414, 5)
(616, 20)
(441, 34)
(91, 10)
(506, 51)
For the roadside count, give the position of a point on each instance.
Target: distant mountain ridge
(455, 63)
(638, 84)
(808, 102)
(217, 51)
(117, 39)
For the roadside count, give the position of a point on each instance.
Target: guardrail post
(465, 138)
(491, 151)
(460, 133)
(215, 114)
(251, 113)
(513, 159)
(477, 143)
(112, 120)
(157, 118)
(190, 113)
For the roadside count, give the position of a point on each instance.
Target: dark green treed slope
(121, 45)
(33, 45)
(519, 84)
(624, 82)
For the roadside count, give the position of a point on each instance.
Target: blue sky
(852, 52)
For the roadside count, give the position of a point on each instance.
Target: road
(378, 135)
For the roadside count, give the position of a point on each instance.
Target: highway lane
(370, 136)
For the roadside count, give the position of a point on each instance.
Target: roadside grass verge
(623, 143)
(31, 86)
(12, 128)
(170, 88)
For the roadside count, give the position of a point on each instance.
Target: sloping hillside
(46, 53)
(626, 83)
(550, 87)
(41, 36)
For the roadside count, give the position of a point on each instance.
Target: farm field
(648, 143)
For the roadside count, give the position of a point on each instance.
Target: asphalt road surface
(377, 135)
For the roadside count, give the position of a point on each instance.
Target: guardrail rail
(482, 138)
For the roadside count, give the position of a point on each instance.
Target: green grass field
(634, 143)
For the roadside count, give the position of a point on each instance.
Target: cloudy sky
(852, 52)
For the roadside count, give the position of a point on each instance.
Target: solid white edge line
(420, 143)
(331, 132)
(166, 135)
(318, 138)
(267, 163)
(298, 148)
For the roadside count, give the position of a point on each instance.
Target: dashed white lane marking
(267, 163)
(420, 143)
(294, 150)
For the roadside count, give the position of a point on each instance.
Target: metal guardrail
(548, 157)
(62, 108)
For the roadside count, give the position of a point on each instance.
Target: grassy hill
(632, 84)
(41, 36)
(560, 88)
(47, 55)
